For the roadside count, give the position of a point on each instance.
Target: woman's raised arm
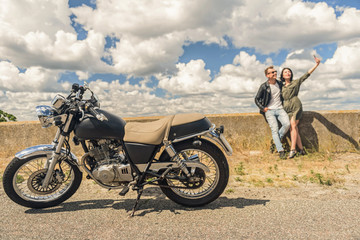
(317, 60)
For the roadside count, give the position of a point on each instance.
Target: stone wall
(332, 131)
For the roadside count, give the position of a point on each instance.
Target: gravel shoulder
(305, 211)
(247, 213)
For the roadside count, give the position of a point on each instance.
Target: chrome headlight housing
(45, 115)
(58, 102)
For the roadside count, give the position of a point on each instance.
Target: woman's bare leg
(293, 133)
(298, 140)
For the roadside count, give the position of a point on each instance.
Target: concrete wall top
(320, 131)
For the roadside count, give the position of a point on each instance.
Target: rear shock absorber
(180, 162)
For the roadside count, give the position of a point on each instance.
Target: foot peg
(124, 191)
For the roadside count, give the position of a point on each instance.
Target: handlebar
(78, 91)
(96, 114)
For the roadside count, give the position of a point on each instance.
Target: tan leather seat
(186, 118)
(154, 132)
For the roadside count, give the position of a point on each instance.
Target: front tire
(22, 181)
(214, 182)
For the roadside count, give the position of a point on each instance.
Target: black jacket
(263, 96)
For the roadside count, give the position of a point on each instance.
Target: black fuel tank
(91, 128)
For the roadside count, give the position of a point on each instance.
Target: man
(269, 100)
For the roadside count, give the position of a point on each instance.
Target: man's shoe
(285, 144)
(292, 153)
(302, 152)
(282, 154)
(272, 147)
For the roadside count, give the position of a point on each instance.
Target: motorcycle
(179, 153)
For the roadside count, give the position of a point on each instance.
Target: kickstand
(139, 191)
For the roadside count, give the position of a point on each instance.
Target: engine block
(110, 164)
(109, 173)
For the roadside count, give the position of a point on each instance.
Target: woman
(293, 106)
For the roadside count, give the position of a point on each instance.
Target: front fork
(58, 143)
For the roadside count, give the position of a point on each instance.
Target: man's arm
(258, 97)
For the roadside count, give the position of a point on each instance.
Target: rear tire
(23, 177)
(214, 182)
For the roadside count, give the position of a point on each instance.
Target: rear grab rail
(213, 133)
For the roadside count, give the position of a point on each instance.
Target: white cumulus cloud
(38, 43)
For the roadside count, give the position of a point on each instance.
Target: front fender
(46, 149)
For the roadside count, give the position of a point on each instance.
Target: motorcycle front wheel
(22, 181)
(209, 185)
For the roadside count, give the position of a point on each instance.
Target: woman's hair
(281, 76)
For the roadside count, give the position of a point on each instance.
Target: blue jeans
(272, 117)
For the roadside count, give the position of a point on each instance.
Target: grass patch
(325, 179)
(269, 180)
(258, 183)
(229, 191)
(240, 170)
(321, 168)
(238, 179)
(347, 168)
(19, 179)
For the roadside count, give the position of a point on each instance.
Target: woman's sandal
(292, 153)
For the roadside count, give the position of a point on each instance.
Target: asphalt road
(95, 213)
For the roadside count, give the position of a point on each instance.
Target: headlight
(45, 115)
(58, 102)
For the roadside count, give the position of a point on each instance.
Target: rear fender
(194, 141)
(213, 134)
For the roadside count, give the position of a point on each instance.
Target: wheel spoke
(209, 181)
(28, 181)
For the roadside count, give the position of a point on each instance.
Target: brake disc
(196, 180)
(36, 179)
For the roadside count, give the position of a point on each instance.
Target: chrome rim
(27, 181)
(211, 178)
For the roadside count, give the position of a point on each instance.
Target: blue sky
(214, 55)
(183, 56)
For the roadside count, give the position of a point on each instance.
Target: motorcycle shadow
(152, 201)
(164, 205)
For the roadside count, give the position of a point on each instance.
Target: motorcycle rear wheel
(213, 183)
(22, 182)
